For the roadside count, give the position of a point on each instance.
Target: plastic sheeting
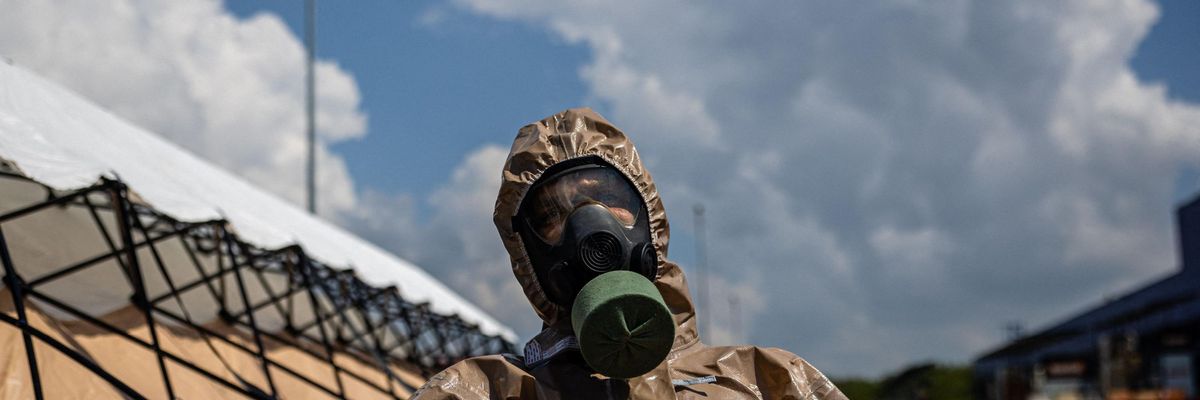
(61, 140)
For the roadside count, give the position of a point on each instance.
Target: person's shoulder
(475, 377)
(492, 361)
(767, 356)
(489, 366)
(771, 363)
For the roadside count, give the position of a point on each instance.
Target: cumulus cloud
(455, 239)
(226, 88)
(897, 179)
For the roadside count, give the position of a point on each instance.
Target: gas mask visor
(588, 238)
(549, 205)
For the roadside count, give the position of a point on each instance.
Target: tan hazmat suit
(691, 370)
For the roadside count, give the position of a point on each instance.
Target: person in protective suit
(587, 236)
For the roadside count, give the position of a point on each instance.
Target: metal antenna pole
(735, 314)
(310, 16)
(701, 271)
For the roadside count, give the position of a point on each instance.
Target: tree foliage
(926, 381)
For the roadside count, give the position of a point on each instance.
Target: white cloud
(900, 178)
(228, 89)
(922, 248)
(456, 240)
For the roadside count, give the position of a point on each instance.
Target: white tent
(66, 142)
(59, 142)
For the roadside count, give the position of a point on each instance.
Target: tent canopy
(61, 140)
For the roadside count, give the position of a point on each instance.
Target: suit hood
(569, 135)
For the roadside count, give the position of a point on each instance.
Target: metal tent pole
(15, 287)
(125, 215)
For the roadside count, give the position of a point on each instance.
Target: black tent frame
(375, 326)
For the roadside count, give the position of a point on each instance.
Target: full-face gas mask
(587, 234)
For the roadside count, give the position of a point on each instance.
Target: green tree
(925, 381)
(858, 388)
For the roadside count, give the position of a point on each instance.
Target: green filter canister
(623, 326)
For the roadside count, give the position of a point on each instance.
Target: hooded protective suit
(551, 368)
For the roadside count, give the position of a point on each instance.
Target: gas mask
(587, 234)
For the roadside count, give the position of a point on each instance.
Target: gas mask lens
(551, 203)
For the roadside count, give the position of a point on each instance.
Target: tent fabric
(190, 291)
(64, 378)
(61, 140)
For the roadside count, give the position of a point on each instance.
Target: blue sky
(887, 182)
(439, 82)
(436, 82)
(1171, 55)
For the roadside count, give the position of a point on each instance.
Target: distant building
(1144, 344)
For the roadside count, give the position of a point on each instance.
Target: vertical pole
(124, 214)
(701, 272)
(735, 328)
(291, 305)
(15, 288)
(310, 16)
(224, 300)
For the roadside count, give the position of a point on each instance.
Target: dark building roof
(1170, 302)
